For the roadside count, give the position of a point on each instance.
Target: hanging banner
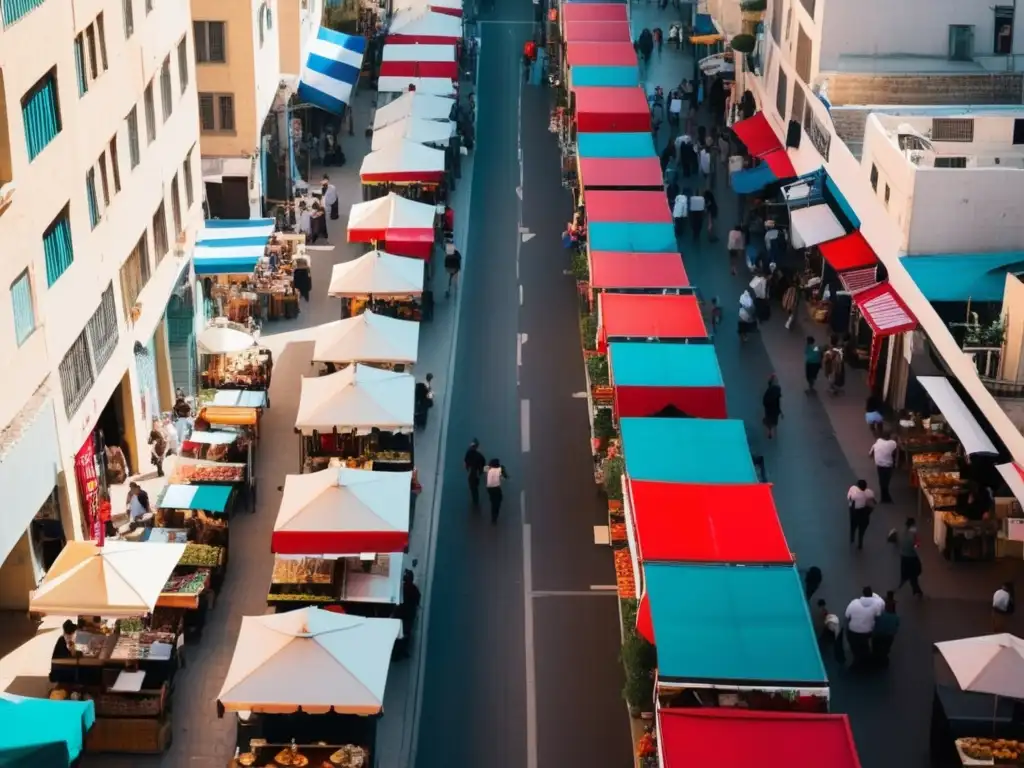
(89, 489)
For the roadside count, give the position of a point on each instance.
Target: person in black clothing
(452, 265)
(475, 463)
(407, 611)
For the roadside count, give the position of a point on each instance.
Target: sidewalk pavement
(200, 739)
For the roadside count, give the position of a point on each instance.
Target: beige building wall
(300, 21)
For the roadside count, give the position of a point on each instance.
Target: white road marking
(604, 588)
(520, 294)
(523, 230)
(531, 656)
(319, 247)
(528, 236)
(602, 536)
(519, 192)
(573, 593)
(579, 395)
(524, 425)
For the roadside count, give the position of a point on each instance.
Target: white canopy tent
(358, 398)
(957, 415)
(434, 86)
(390, 212)
(413, 129)
(118, 579)
(224, 340)
(402, 157)
(310, 660)
(992, 664)
(368, 338)
(419, 106)
(377, 274)
(424, 26)
(419, 6)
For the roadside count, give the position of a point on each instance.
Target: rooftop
(968, 139)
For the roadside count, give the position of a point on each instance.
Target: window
(259, 22)
(216, 112)
(83, 81)
(1018, 131)
(950, 162)
(76, 375)
(183, 64)
(961, 42)
(101, 33)
(1003, 44)
(874, 177)
(803, 55)
(24, 312)
(176, 206)
(886, 195)
(149, 7)
(134, 275)
(165, 88)
(147, 100)
(133, 137)
(57, 247)
(782, 94)
(777, 6)
(90, 197)
(808, 6)
(6, 170)
(187, 168)
(104, 184)
(958, 129)
(90, 39)
(114, 163)
(40, 110)
(129, 17)
(15, 9)
(102, 329)
(799, 102)
(209, 41)
(160, 232)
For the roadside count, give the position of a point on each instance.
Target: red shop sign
(89, 489)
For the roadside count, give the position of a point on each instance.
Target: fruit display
(931, 458)
(208, 473)
(617, 531)
(300, 597)
(130, 626)
(202, 555)
(349, 756)
(1001, 751)
(307, 570)
(953, 519)
(187, 583)
(934, 479)
(624, 573)
(397, 457)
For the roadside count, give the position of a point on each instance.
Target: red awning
(612, 110)
(849, 252)
(855, 280)
(627, 205)
(757, 135)
(735, 738)
(621, 173)
(582, 54)
(337, 542)
(593, 12)
(418, 243)
(677, 522)
(884, 310)
(640, 316)
(613, 269)
(597, 32)
(778, 160)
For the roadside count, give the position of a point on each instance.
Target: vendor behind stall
(64, 648)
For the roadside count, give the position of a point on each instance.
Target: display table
(347, 756)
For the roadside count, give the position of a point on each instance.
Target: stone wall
(1003, 88)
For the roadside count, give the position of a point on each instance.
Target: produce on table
(129, 626)
(301, 598)
(1000, 750)
(187, 583)
(308, 570)
(349, 756)
(617, 531)
(203, 473)
(624, 573)
(202, 555)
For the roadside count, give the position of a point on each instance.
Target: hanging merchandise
(145, 368)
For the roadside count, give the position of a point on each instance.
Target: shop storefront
(149, 390)
(181, 335)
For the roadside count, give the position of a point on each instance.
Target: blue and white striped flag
(331, 70)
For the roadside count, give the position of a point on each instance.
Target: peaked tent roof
(358, 398)
(412, 129)
(421, 106)
(391, 211)
(626, 205)
(403, 160)
(631, 315)
(377, 274)
(713, 451)
(367, 338)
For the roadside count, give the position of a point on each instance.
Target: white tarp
(960, 420)
(222, 340)
(377, 274)
(342, 500)
(311, 659)
(814, 225)
(391, 212)
(413, 129)
(420, 106)
(357, 398)
(992, 664)
(413, 24)
(368, 338)
(402, 156)
(434, 86)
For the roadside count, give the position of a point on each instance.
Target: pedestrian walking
(711, 208)
(886, 626)
(453, 266)
(834, 366)
(158, 447)
(873, 413)
(910, 561)
(736, 245)
(672, 192)
(680, 209)
(406, 612)
(771, 401)
(883, 451)
(659, 38)
(812, 362)
(696, 215)
(330, 196)
(475, 464)
(668, 154)
(861, 501)
(812, 581)
(747, 317)
(1003, 605)
(861, 615)
(704, 163)
(495, 474)
(716, 316)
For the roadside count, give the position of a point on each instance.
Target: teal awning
(208, 498)
(41, 732)
(615, 76)
(963, 277)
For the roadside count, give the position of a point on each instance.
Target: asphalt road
(495, 693)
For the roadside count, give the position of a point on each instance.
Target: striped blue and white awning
(231, 246)
(331, 70)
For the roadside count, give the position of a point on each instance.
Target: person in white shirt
(704, 161)
(1002, 607)
(861, 614)
(748, 321)
(330, 194)
(696, 215)
(861, 501)
(494, 475)
(680, 208)
(305, 221)
(884, 453)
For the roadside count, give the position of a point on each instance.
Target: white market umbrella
(343, 511)
(310, 660)
(223, 340)
(390, 212)
(402, 158)
(419, 106)
(121, 578)
(367, 338)
(358, 398)
(413, 129)
(377, 274)
(992, 664)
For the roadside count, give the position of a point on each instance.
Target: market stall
(402, 65)
(450, 7)
(233, 398)
(403, 163)
(611, 110)
(620, 173)
(596, 32)
(648, 317)
(367, 584)
(404, 227)
(368, 338)
(231, 246)
(362, 415)
(709, 451)
(616, 145)
(424, 28)
(730, 738)
(225, 338)
(743, 638)
(343, 512)
(635, 237)
(601, 64)
(304, 677)
(250, 369)
(651, 377)
(268, 291)
(638, 272)
(614, 12)
(385, 284)
(415, 106)
(773, 163)
(430, 132)
(433, 86)
(43, 733)
(613, 206)
(818, 212)
(218, 457)
(202, 510)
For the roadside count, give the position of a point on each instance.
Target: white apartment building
(100, 188)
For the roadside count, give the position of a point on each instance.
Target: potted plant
(743, 43)
(603, 428)
(614, 468)
(597, 369)
(639, 659)
(588, 328)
